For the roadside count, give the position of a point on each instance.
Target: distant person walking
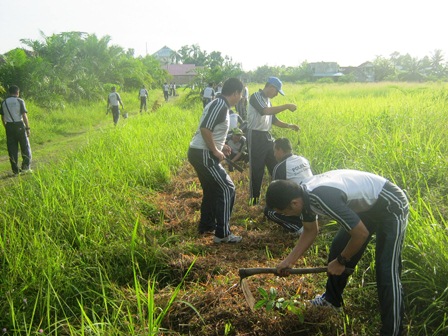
(143, 95)
(208, 94)
(113, 102)
(166, 91)
(207, 149)
(15, 120)
(261, 115)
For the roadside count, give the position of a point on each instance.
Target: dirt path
(212, 287)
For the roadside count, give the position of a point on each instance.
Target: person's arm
(282, 124)
(119, 100)
(27, 125)
(359, 234)
(310, 230)
(277, 109)
(207, 135)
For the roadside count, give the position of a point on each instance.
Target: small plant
(270, 301)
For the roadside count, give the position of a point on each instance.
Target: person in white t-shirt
(290, 167)
(143, 95)
(113, 101)
(208, 94)
(15, 120)
(261, 115)
(363, 204)
(207, 149)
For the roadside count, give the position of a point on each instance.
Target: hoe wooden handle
(234, 165)
(247, 272)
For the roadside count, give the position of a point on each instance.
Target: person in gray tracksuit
(362, 204)
(207, 149)
(261, 115)
(290, 167)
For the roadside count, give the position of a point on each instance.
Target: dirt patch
(212, 287)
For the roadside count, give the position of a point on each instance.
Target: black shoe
(206, 230)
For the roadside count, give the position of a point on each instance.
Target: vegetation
(101, 239)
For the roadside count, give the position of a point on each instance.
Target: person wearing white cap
(261, 115)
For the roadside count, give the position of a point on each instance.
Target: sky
(253, 33)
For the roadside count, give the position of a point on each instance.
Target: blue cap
(277, 83)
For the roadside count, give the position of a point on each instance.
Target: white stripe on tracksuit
(216, 172)
(218, 191)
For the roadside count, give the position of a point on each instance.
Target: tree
(384, 69)
(438, 69)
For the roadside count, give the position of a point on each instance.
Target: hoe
(247, 272)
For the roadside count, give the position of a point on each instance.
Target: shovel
(247, 272)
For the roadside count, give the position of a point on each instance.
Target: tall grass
(82, 251)
(76, 235)
(398, 132)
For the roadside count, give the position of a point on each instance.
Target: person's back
(290, 167)
(293, 167)
(143, 93)
(114, 99)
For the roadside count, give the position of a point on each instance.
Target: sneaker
(320, 301)
(26, 171)
(229, 239)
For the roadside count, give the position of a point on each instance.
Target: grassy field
(101, 239)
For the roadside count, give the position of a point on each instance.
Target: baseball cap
(277, 83)
(237, 131)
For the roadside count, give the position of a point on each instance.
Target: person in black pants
(207, 149)
(362, 204)
(15, 119)
(290, 167)
(261, 115)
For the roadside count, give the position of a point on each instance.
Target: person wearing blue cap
(261, 115)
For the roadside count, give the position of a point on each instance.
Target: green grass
(80, 248)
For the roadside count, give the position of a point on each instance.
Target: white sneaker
(320, 301)
(26, 171)
(229, 239)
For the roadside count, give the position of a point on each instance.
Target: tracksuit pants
(290, 223)
(387, 220)
(218, 192)
(142, 103)
(261, 155)
(115, 114)
(15, 137)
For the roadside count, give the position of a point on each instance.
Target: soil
(211, 301)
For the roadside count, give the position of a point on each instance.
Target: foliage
(83, 249)
(270, 301)
(74, 66)
(211, 67)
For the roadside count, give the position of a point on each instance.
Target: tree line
(75, 66)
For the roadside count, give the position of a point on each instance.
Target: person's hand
(294, 127)
(292, 107)
(227, 150)
(283, 268)
(28, 132)
(219, 155)
(335, 268)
